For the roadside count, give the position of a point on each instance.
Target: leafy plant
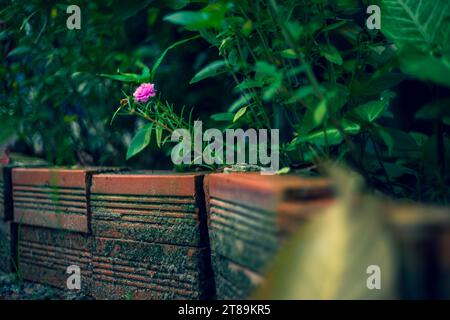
(313, 70)
(421, 31)
(161, 115)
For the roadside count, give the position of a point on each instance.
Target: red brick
(249, 215)
(52, 197)
(158, 183)
(150, 236)
(126, 269)
(45, 254)
(163, 208)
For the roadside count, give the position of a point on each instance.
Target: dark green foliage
(311, 68)
(315, 71)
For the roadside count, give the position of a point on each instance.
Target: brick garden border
(249, 215)
(155, 235)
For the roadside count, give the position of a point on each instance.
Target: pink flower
(144, 92)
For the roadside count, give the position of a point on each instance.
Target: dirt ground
(13, 288)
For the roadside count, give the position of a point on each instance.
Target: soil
(13, 288)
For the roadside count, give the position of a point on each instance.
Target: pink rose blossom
(144, 92)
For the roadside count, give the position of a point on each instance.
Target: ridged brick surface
(139, 270)
(45, 254)
(52, 198)
(249, 216)
(149, 236)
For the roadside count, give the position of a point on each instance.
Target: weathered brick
(249, 215)
(233, 281)
(127, 269)
(45, 254)
(161, 207)
(52, 197)
(150, 236)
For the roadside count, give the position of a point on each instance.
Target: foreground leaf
(329, 257)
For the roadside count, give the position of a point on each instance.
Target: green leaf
(312, 118)
(400, 143)
(247, 28)
(18, 51)
(124, 77)
(161, 57)
(435, 110)
(25, 21)
(320, 112)
(140, 141)
(295, 29)
(191, 19)
(289, 53)
(265, 70)
(331, 135)
(386, 137)
(419, 24)
(145, 74)
(239, 114)
(331, 54)
(272, 89)
(301, 94)
(336, 96)
(370, 111)
(125, 10)
(395, 170)
(427, 67)
(158, 131)
(240, 102)
(209, 17)
(226, 116)
(376, 85)
(420, 138)
(211, 70)
(421, 30)
(5, 34)
(269, 74)
(284, 170)
(334, 26)
(176, 4)
(248, 84)
(348, 6)
(307, 123)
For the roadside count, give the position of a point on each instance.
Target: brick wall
(161, 235)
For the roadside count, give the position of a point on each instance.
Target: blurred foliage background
(54, 104)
